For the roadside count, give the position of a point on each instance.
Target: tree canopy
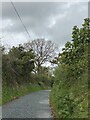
(44, 51)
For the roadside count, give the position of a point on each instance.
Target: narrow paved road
(34, 105)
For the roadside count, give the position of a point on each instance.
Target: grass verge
(11, 93)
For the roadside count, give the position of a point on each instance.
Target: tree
(71, 75)
(44, 51)
(17, 65)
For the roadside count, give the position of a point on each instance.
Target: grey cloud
(37, 17)
(61, 32)
(34, 15)
(30, 9)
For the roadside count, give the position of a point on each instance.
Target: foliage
(70, 91)
(17, 73)
(16, 65)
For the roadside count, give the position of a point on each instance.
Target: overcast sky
(50, 20)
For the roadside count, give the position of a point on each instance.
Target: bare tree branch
(43, 50)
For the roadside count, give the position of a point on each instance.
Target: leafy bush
(69, 96)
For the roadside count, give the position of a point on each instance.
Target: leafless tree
(44, 51)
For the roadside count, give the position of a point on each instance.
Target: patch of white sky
(6, 23)
(54, 19)
(13, 39)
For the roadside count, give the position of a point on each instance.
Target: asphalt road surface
(33, 105)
